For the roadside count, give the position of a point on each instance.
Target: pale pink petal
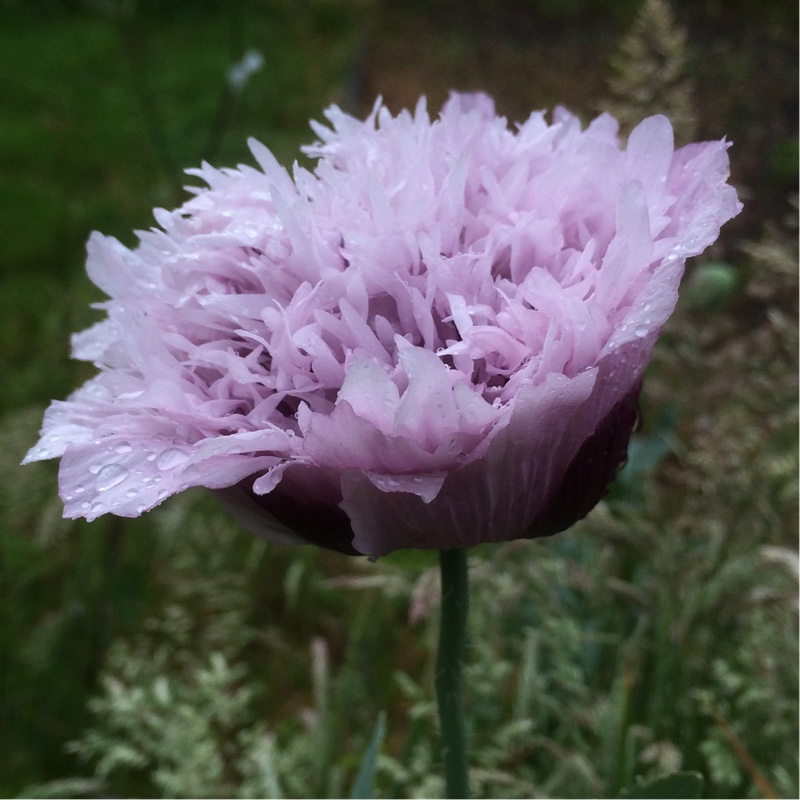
(434, 339)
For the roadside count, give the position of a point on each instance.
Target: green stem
(449, 670)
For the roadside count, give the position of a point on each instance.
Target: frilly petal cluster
(434, 339)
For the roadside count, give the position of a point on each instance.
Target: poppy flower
(435, 338)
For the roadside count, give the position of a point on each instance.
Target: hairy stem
(449, 670)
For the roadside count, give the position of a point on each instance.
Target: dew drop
(122, 448)
(85, 504)
(131, 493)
(95, 468)
(172, 457)
(109, 476)
(150, 455)
(96, 508)
(641, 331)
(80, 489)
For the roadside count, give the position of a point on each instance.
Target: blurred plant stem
(450, 668)
(228, 98)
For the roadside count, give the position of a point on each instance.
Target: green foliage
(178, 730)
(364, 785)
(649, 73)
(687, 785)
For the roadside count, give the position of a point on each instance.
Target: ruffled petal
(436, 338)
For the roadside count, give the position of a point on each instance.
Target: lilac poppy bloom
(436, 338)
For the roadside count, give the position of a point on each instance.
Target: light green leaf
(677, 786)
(364, 786)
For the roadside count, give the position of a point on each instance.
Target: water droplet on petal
(131, 493)
(80, 489)
(122, 448)
(171, 458)
(109, 476)
(85, 504)
(150, 455)
(96, 508)
(641, 331)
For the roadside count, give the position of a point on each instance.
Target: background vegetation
(177, 656)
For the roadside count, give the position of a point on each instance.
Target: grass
(177, 656)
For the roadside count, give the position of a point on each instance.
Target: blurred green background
(176, 656)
